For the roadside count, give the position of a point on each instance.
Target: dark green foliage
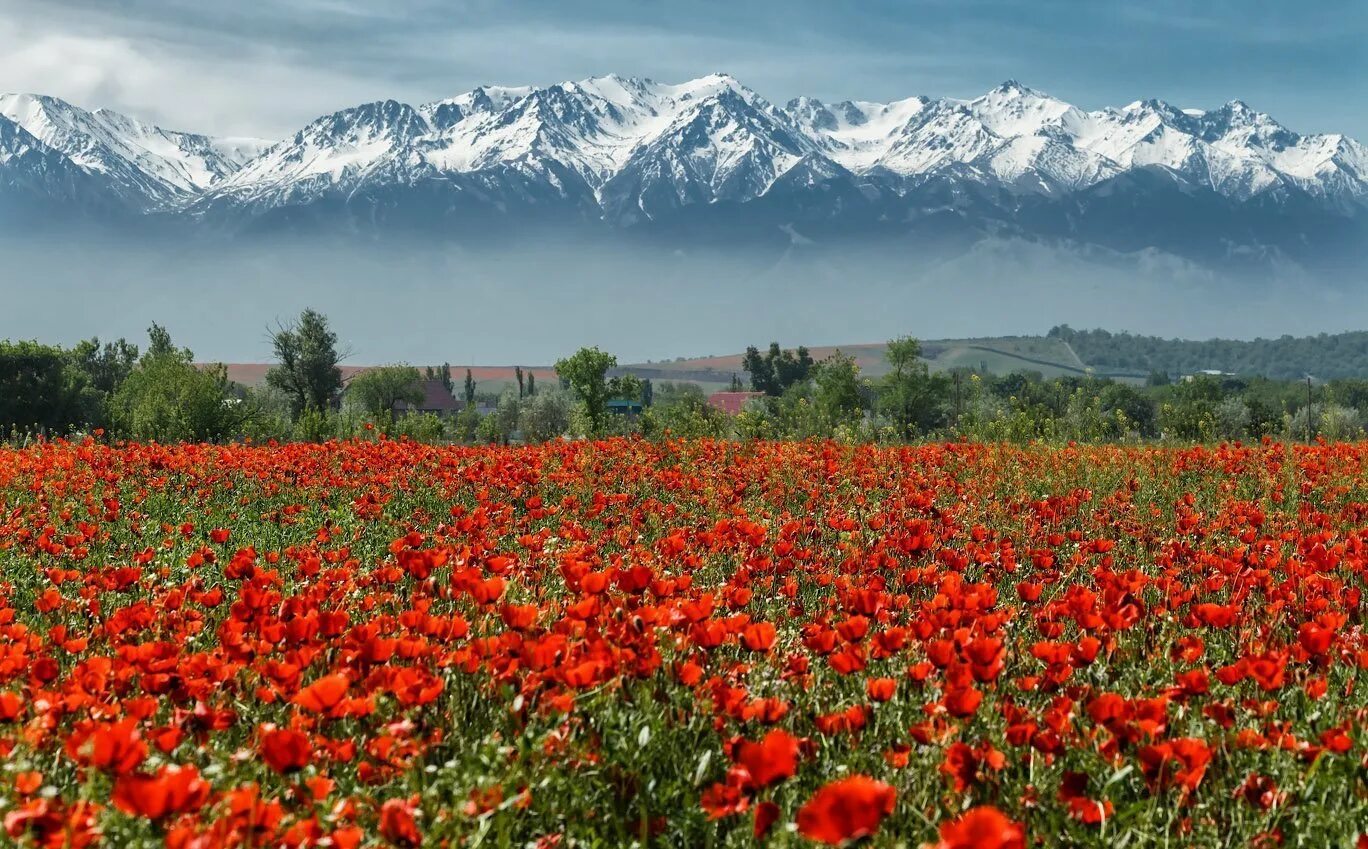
(442, 373)
(105, 366)
(39, 388)
(1131, 403)
(379, 390)
(839, 392)
(681, 409)
(776, 370)
(1326, 356)
(308, 363)
(585, 372)
(168, 398)
(911, 397)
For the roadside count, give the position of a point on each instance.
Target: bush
(421, 427)
(545, 416)
(168, 399)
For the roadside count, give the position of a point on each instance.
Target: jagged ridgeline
(711, 161)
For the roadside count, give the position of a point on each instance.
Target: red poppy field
(378, 643)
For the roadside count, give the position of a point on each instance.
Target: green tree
(1190, 409)
(467, 423)
(469, 389)
(487, 430)
(545, 416)
(522, 383)
(531, 384)
(776, 370)
(627, 387)
(909, 395)
(1127, 404)
(585, 372)
(379, 390)
(681, 409)
(761, 371)
(308, 363)
(442, 373)
(791, 367)
(168, 398)
(506, 415)
(159, 343)
(103, 369)
(105, 366)
(837, 393)
(38, 388)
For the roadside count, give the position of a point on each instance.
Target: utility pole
(1308, 410)
(957, 377)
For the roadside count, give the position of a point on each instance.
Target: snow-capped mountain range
(623, 154)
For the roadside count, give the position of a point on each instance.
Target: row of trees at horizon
(160, 393)
(1327, 356)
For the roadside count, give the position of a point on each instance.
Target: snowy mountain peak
(146, 164)
(1012, 110)
(387, 119)
(627, 149)
(1014, 88)
(444, 114)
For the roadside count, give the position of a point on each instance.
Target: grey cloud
(268, 67)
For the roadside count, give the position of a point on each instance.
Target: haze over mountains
(614, 190)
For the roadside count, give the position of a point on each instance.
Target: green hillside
(1050, 356)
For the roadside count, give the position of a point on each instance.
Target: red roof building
(732, 403)
(436, 400)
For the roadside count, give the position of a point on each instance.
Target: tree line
(1327, 356)
(158, 392)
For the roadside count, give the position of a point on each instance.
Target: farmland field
(371, 643)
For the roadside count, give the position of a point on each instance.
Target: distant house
(732, 403)
(624, 408)
(436, 400)
(1207, 372)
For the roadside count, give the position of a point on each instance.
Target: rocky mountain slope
(712, 160)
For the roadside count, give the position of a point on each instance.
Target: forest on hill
(1327, 356)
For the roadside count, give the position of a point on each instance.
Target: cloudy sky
(267, 67)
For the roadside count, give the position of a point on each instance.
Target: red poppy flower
(846, 809)
(765, 815)
(963, 702)
(1175, 763)
(172, 790)
(285, 750)
(398, 824)
(27, 783)
(881, 689)
(115, 747)
(11, 706)
(965, 765)
(324, 694)
(1261, 792)
(724, 799)
(984, 827)
(758, 636)
(1073, 792)
(771, 760)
